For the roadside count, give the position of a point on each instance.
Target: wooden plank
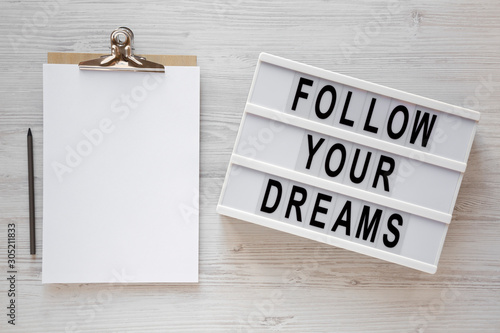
(254, 279)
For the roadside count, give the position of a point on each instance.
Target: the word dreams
(368, 224)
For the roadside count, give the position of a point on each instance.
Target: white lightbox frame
(403, 151)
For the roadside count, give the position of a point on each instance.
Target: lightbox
(348, 163)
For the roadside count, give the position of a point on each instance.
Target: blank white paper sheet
(121, 175)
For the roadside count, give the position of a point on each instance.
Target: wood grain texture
(253, 279)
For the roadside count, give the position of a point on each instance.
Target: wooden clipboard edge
(76, 58)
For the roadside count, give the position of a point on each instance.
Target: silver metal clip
(122, 57)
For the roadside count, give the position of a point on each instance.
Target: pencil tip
(29, 131)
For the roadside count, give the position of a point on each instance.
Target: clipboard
(121, 176)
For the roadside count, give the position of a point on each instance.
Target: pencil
(31, 185)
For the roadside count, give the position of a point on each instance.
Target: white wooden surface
(254, 279)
